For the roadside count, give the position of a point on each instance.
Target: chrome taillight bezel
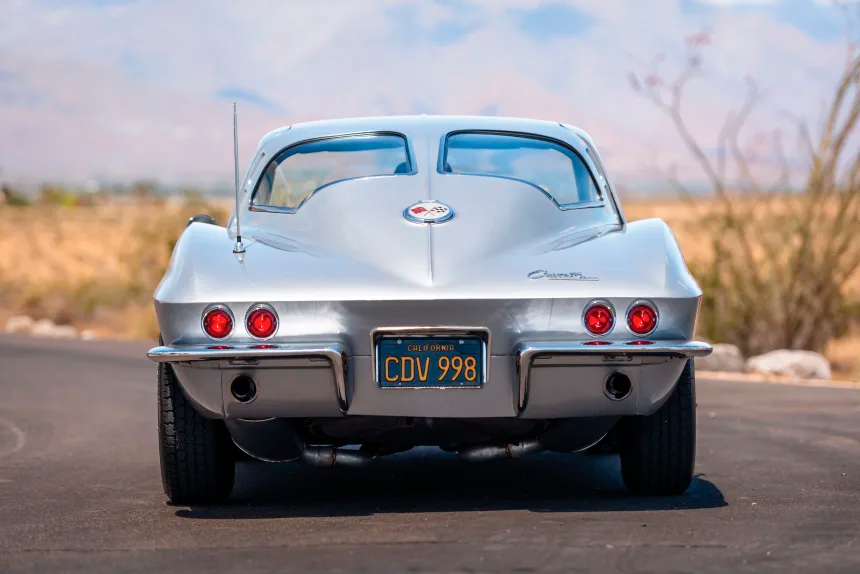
(641, 303)
(217, 307)
(602, 303)
(258, 307)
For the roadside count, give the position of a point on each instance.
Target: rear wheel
(658, 452)
(197, 454)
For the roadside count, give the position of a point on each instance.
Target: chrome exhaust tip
(243, 388)
(618, 386)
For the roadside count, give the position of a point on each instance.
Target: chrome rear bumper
(609, 352)
(537, 380)
(251, 355)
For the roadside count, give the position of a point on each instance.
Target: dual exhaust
(617, 387)
(277, 440)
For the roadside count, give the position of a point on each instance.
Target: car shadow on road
(427, 480)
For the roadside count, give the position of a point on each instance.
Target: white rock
(20, 324)
(43, 328)
(65, 332)
(724, 358)
(800, 364)
(47, 328)
(88, 335)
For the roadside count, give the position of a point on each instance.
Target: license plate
(430, 361)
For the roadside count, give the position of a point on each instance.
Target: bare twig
(780, 260)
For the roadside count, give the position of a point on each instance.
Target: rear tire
(197, 458)
(658, 452)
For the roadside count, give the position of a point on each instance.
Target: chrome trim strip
(413, 168)
(334, 352)
(613, 196)
(526, 353)
(443, 154)
(380, 332)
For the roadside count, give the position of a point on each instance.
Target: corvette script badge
(428, 212)
(571, 276)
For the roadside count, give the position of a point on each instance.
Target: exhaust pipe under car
(243, 388)
(618, 386)
(483, 453)
(329, 456)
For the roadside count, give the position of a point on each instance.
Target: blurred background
(735, 121)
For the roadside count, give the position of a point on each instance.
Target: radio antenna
(239, 247)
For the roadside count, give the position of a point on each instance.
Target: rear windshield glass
(297, 172)
(557, 170)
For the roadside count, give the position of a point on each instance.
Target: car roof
(424, 130)
(412, 126)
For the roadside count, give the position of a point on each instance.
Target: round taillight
(261, 322)
(218, 322)
(598, 318)
(641, 319)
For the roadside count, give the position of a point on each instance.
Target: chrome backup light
(217, 322)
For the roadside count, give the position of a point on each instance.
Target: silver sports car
(469, 283)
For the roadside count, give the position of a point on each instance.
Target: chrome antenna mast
(239, 247)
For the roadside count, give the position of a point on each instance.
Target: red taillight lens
(597, 343)
(262, 323)
(598, 319)
(642, 319)
(217, 323)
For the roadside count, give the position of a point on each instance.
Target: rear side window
(299, 171)
(555, 169)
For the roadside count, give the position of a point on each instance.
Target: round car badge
(428, 212)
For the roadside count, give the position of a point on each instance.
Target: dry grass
(96, 267)
(684, 217)
(93, 267)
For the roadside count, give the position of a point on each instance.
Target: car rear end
(509, 324)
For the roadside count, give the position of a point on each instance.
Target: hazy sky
(119, 89)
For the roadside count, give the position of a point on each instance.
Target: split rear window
(299, 171)
(555, 169)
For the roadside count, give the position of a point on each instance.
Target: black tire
(197, 459)
(658, 452)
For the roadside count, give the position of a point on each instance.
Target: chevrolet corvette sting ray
(469, 283)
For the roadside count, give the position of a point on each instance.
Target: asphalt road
(778, 490)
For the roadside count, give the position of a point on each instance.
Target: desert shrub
(781, 258)
(144, 190)
(51, 194)
(14, 198)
